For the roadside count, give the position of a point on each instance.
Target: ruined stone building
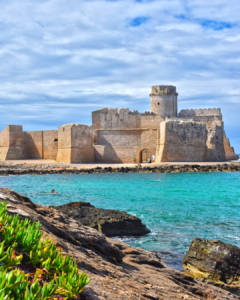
(123, 136)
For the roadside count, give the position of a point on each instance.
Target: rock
(214, 262)
(107, 221)
(117, 270)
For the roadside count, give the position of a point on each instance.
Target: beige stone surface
(229, 151)
(75, 144)
(164, 101)
(182, 141)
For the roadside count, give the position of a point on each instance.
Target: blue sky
(60, 59)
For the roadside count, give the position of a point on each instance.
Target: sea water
(176, 207)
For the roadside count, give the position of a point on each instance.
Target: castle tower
(164, 100)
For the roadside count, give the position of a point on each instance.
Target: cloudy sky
(62, 59)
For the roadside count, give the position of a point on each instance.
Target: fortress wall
(126, 138)
(115, 154)
(182, 141)
(41, 144)
(123, 145)
(4, 143)
(199, 112)
(119, 135)
(150, 121)
(215, 140)
(229, 151)
(119, 154)
(112, 118)
(81, 135)
(34, 141)
(82, 144)
(50, 144)
(4, 137)
(75, 144)
(64, 143)
(16, 148)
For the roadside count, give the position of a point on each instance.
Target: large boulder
(107, 221)
(214, 262)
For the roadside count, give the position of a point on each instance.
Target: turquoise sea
(176, 207)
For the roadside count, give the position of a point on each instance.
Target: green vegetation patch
(31, 269)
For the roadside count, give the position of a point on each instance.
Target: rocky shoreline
(117, 271)
(6, 170)
(110, 222)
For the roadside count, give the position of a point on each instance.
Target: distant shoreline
(42, 167)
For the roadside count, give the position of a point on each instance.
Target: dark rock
(107, 221)
(213, 262)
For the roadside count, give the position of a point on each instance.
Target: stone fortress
(123, 136)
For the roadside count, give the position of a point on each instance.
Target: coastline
(41, 167)
(117, 270)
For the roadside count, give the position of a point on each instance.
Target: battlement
(199, 112)
(83, 127)
(116, 111)
(122, 111)
(187, 123)
(163, 90)
(148, 113)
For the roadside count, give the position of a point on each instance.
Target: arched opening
(55, 140)
(145, 155)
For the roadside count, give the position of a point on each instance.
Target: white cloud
(51, 48)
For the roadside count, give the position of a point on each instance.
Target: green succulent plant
(55, 275)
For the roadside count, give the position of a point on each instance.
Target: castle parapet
(122, 118)
(199, 112)
(163, 90)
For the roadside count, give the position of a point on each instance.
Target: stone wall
(182, 141)
(121, 135)
(50, 144)
(116, 146)
(199, 112)
(215, 144)
(4, 143)
(112, 118)
(34, 141)
(229, 151)
(12, 143)
(17, 144)
(75, 144)
(215, 131)
(42, 144)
